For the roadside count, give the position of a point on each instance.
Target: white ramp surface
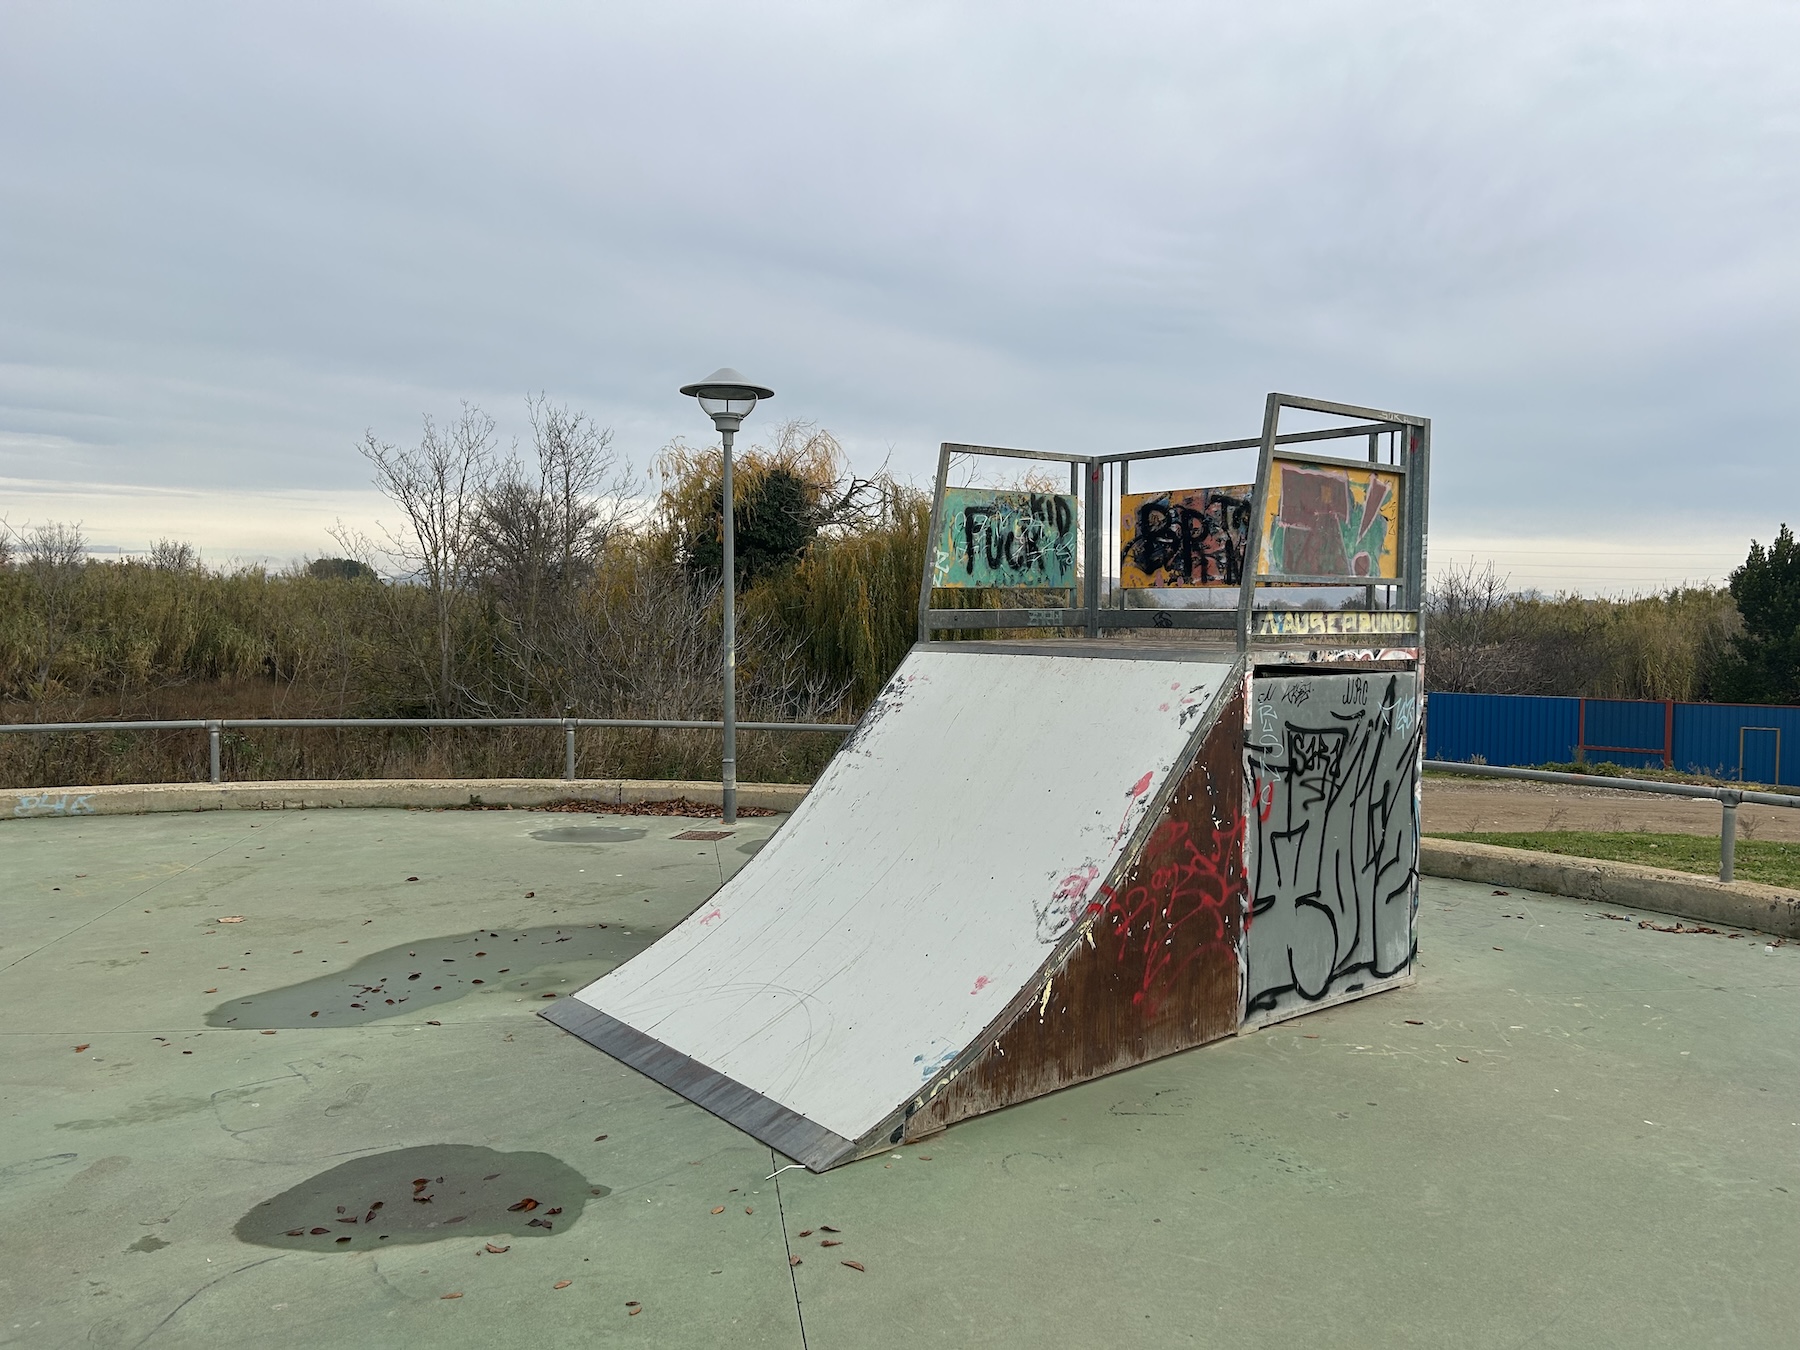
(921, 884)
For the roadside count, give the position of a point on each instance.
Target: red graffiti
(1187, 886)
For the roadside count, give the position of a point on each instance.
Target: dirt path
(1456, 806)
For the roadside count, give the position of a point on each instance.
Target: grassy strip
(1777, 864)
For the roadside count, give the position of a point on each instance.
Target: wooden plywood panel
(1158, 968)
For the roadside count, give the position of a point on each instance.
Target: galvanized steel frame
(1410, 439)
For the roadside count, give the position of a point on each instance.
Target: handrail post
(1728, 806)
(212, 749)
(569, 749)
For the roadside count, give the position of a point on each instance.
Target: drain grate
(705, 834)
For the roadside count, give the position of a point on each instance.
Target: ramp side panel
(1160, 968)
(923, 882)
(1333, 763)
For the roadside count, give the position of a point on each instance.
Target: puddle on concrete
(588, 834)
(378, 1201)
(752, 848)
(416, 976)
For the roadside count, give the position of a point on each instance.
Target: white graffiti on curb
(54, 804)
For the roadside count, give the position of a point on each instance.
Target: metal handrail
(1729, 799)
(214, 727)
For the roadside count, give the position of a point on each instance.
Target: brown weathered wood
(1161, 970)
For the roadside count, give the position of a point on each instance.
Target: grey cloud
(238, 235)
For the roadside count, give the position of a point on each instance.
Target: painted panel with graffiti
(1321, 520)
(1333, 764)
(998, 538)
(1184, 537)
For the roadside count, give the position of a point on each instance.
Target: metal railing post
(569, 749)
(1727, 836)
(212, 749)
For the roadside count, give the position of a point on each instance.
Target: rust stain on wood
(1162, 970)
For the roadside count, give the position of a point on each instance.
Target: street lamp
(727, 397)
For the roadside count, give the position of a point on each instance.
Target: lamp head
(727, 397)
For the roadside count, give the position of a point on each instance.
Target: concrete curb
(1742, 904)
(140, 799)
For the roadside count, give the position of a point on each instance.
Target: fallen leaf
(546, 995)
(527, 1204)
(557, 1210)
(598, 1138)
(793, 1260)
(539, 1223)
(80, 1048)
(1502, 892)
(827, 1228)
(434, 1024)
(412, 878)
(530, 895)
(296, 1232)
(748, 1210)
(631, 1303)
(924, 1157)
(831, 1242)
(345, 1238)
(233, 918)
(1414, 1022)
(633, 1312)
(268, 1033)
(420, 1183)
(497, 1251)
(317, 1231)
(806, 1232)
(310, 1014)
(718, 1209)
(562, 1284)
(1499, 949)
(1308, 1036)
(377, 1205)
(214, 990)
(854, 1265)
(449, 1295)
(1461, 1060)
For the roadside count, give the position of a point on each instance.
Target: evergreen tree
(1763, 665)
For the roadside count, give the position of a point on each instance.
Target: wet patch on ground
(416, 976)
(752, 848)
(423, 1194)
(588, 834)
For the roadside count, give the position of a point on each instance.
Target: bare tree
(173, 555)
(1467, 649)
(438, 485)
(54, 556)
(541, 531)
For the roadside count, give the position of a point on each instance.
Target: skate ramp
(953, 863)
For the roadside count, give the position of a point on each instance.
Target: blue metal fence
(1753, 743)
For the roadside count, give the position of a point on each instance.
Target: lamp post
(727, 397)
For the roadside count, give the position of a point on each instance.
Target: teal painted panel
(995, 538)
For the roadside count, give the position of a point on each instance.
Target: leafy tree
(1763, 665)
(340, 569)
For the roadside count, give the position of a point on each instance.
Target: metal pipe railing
(1729, 799)
(215, 727)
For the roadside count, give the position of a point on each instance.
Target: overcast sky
(234, 236)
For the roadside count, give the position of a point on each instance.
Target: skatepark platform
(1033, 863)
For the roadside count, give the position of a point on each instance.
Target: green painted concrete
(1617, 1163)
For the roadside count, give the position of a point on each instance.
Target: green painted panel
(997, 538)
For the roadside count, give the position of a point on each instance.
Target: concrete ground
(1572, 1132)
